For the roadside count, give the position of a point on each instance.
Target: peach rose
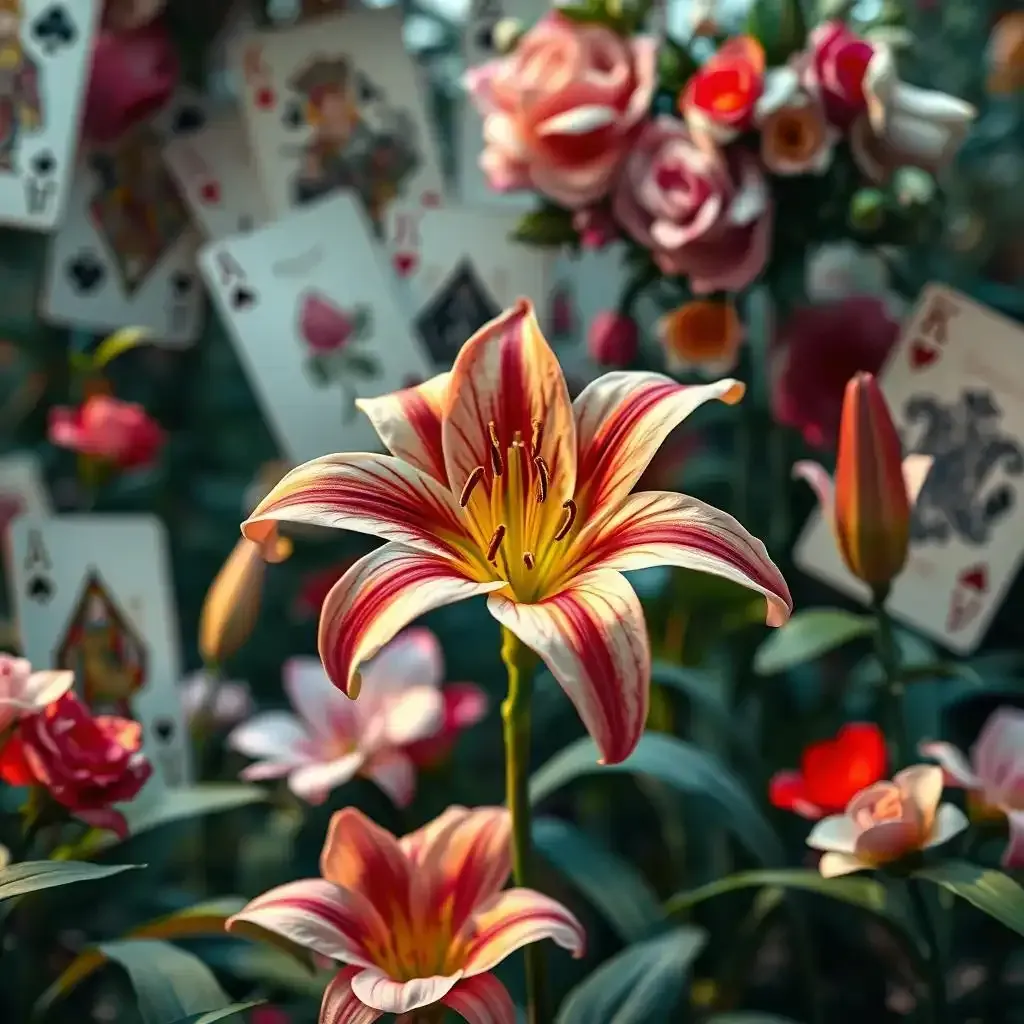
(702, 213)
(562, 109)
(796, 137)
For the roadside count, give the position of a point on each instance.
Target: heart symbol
(922, 355)
(975, 578)
(210, 193)
(430, 199)
(405, 263)
(265, 98)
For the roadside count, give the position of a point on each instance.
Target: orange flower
(1006, 55)
(796, 137)
(705, 335)
(720, 97)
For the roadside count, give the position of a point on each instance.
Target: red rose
(720, 97)
(86, 763)
(835, 72)
(107, 428)
(832, 772)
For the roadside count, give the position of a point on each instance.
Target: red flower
(86, 763)
(818, 350)
(832, 772)
(720, 97)
(314, 588)
(107, 428)
(839, 58)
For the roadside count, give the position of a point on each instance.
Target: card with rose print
(963, 405)
(213, 169)
(311, 306)
(125, 252)
(336, 104)
(458, 269)
(93, 594)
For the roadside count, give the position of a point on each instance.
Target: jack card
(125, 252)
(338, 104)
(309, 302)
(955, 387)
(459, 268)
(214, 171)
(93, 594)
(47, 48)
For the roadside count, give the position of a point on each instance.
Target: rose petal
(950, 821)
(921, 785)
(374, 988)
(837, 833)
(481, 1000)
(832, 865)
(341, 1006)
(887, 841)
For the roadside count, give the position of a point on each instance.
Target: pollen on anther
(496, 462)
(542, 478)
(528, 560)
(471, 481)
(496, 539)
(538, 436)
(569, 509)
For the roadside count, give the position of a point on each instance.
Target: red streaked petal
(317, 915)
(507, 374)
(340, 1005)
(622, 419)
(515, 918)
(664, 528)
(379, 596)
(481, 1000)
(593, 638)
(374, 494)
(409, 424)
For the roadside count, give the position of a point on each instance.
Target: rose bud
(613, 339)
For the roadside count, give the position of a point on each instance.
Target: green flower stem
(520, 663)
(893, 722)
(936, 975)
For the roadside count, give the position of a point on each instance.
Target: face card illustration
(125, 252)
(309, 301)
(93, 595)
(459, 269)
(336, 104)
(22, 490)
(45, 49)
(960, 403)
(214, 172)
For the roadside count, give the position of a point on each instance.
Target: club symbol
(188, 119)
(368, 92)
(86, 272)
(54, 29)
(44, 163)
(242, 297)
(181, 284)
(40, 589)
(293, 116)
(164, 729)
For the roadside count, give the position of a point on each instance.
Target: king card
(125, 252)
(309, 301)
(955, 387)
(45, 50)
(337, 104)
(93, 594)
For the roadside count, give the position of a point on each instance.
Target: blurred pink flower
(269, 1015)
(993, 776)
(231, 703)
(107, 428)
(595, 226)
(613, 339)
(24, 692)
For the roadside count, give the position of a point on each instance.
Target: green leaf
(193, 802)
(613, 885)
(361, 365)
(675, 66)
(549, 227)
(990, 891)
(643, 983)
(214, 1015)
(33, 875)
(865, 893)
(749, 1017)
(678, 764)
(779, 26)
(695, 685)
(809, 635)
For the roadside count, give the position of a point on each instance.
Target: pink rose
(595, 226)
(562, 109)
(107, 428)
(325, 326)
(702, 214)
(835, 71)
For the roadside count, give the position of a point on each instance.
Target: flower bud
(872, 507)
(867, 210)
(613, 339)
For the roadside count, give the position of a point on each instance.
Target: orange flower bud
(872, 507)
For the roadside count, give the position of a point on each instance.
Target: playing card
(955, 386)
(93, 594)
(125, 251)
(281, 13)
(459, 269)
(213, 169)
(44, 56)
(337, 104)
(22, 489)
(310, 303)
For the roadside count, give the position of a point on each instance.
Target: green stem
(936, 976)
(520, 662)
(888, 655)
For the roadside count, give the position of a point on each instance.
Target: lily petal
(481, 1000)
(409, 424)
(921, 785)
(324, 710)
(314, 782)
(515, 918)
(341, 1006)
(381, 594)
(410, 716)
(415, 845)
(506, 374)
(956, 767)
(999, 746)
(413, 658)
(376, 989)
(837, 832)
(1013, 855)
(273, 736)
(395, 773)
(318, 915)
(373, 494)
(832, 865)
(819, 481)
(950, 821)
(664, 528)
(622, 419)
(593, 638)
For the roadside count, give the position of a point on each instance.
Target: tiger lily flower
(497, 484)
(418, 921)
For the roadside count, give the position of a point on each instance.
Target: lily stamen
(543, 477)
(496, 539)
(538, 436)
(528, 560)
(497, 464)
(471, 482)
(570, 510)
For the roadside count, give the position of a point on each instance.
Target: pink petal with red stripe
(593, 638)
(376, 989)
(341, 1006)
(481, 1000)
(662, 528)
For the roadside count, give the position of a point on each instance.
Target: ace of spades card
(458, 269)
(125, 253)
(93, 594)
(336, 104)
(310, 305)
(955, 387)
(213, 170)
(45, 49)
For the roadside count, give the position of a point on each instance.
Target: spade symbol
(293, 117)
(86, 273)
(368, 92)
(43, 163)
(181, 283)
(40, 589)
(242, 297)
(164, 729)
(54, 29)
(188, 119)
